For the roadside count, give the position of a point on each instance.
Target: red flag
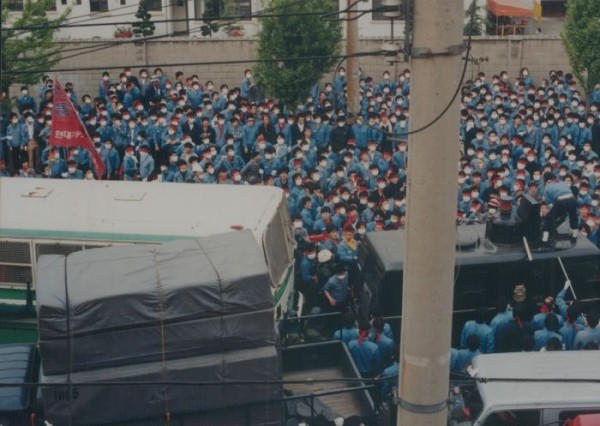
(68, 129)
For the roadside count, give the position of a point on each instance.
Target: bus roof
(103, 210)
(389, 247)
(560, 370)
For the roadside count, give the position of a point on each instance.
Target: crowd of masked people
(523, 324)
(338, 173)
(342, 176)
(538, 323)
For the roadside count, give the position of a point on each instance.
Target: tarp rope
(164, 369)
(69, 351)
(220, 282)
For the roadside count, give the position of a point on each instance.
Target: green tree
(581, 37)
(26, 54)
(144, 27)
(296, 37)
(475, 25)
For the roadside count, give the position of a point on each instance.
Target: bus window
(15, 252)
(55, 248)
(277, 250)
(513, 418)
(15, 267)
(13, 274)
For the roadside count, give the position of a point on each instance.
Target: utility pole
(431, 230)
(352, 72)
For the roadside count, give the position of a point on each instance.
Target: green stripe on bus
(81, 236)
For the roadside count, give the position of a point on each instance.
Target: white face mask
(311, 256)
(72, 169)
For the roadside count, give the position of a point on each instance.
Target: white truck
(532, 388)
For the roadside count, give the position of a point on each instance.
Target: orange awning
(512, 8)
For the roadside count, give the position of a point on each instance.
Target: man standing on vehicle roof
(560, 197)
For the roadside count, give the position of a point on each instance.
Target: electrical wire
(91, 49)
(162, 21)
(325, 16)
(360, 13)
(94, 48)
(365, 380)
(227, 20)
(88, 18)
(181, 64)
(446, 108)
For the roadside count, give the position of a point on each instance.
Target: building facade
(109, 19)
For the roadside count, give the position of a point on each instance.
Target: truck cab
(532, 388)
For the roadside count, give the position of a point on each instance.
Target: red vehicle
(584, 420)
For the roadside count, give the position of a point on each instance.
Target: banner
(69, 130)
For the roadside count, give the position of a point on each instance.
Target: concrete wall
(539, 54)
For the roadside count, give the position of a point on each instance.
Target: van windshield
(472, 399)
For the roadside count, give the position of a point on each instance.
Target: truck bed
(325, 360)
(345, 404)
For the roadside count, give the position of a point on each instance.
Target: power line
(364, 380)
(108, 44)
(182, 64)
(161, 21)
(154, 21)
(447, 107)
(129, 6)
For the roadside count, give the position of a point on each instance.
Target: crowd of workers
(342, 176)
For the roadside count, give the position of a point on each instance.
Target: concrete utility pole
(352, 62)
(431, 230)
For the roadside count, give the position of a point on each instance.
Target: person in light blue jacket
(480, 329)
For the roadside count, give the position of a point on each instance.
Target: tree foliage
(26, 54)
(581, 37)
(144, 27)
(296, 37)
(475, 25)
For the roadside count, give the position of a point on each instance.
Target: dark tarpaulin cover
(119, 303)
(144, 344)
(111, 404)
